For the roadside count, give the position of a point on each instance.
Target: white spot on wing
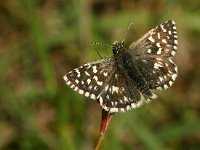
(157, 65)
(173, 22)
(90, 87)
(122, 109)
(154, 96)
(87, 73)
(158, 35)
(94, 69)
(159, 51)
(151, 39)
(92, 96)
(96, 78)
(72, 86)
(78, 72)
(80, 91)
(133, 105)
(170, 83)
(76, 89)
(176, 69)
(128, 107)
(105, 74)
(106, 87)
(161, 79)
(158, 44)
(163, 29)
(176, 42)
(68, 82)
(149, 51)
(164, 41)
(100, 83)
(65, 78)
(175, 47)
(174, 77)
(125, 98)
(88, 81)
(173, 53)
(115, 89)
(87, 94)
(174, 27)
(76, 81)
(165, 86)
(114, 110)
(159, 88)
(100, 100)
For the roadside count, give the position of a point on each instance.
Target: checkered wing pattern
(101, 81)
(121, 93)
(154, 52)
(90, 79)
(128, 78)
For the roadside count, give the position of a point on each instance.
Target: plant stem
(106, 118)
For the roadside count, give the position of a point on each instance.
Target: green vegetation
(40, 41)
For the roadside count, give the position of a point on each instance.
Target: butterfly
(129, 78)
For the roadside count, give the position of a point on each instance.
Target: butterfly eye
(118, 47)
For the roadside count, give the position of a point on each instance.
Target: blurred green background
(41, 40)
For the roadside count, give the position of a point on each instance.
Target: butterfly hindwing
(120, 94)
(159, 73)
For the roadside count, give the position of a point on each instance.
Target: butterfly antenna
(98, 53)
(102, 44)
(97, 43)
(127, 31)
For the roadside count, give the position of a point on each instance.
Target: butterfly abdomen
(134, 73)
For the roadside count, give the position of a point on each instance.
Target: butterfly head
(118, 47)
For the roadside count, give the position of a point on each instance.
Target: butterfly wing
(117, 88)
(121, 94)
(102, 81)
(160, 41)
(154, 51)
(90, 79)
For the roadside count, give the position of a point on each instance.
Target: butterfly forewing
(89, 79)
(154, 51)
(160, 41)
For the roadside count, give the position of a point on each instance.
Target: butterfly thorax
(118, 47)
